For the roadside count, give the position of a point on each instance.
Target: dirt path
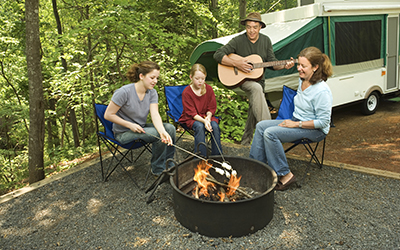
(369, 141)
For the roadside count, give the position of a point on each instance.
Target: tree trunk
(49, 135)
(53, 120)
(242, 12)
(59, 30)
(36, 104)
(64, 126)
(52, 123)
(214, 10)
(72, 117)
(91, 81)
(53, 139)
(74, 124)
(83, 121)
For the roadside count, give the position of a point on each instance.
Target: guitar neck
(273, 63)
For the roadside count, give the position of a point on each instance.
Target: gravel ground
(335, 209)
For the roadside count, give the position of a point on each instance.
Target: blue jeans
(267, 143)
(200, 136)
(160, 151)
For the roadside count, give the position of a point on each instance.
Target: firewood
(196, 192)
(210, 178)
(222, 191)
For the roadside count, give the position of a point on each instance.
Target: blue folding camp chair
(107, 138)
(285, 111)
(173, 95)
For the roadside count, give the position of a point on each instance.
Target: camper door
(392, 58)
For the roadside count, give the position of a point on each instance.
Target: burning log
(210, 178)
(196, 192)
(222, 194)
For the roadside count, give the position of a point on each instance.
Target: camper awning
(276, 31)
(360, 6)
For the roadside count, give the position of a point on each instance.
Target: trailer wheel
(370, 105)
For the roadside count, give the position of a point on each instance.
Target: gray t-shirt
(132, 109)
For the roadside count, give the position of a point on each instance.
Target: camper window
(357, 41)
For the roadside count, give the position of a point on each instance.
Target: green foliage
(88, 62)
(58, 158)
(270, 6)
(14, 170)
(232, 110)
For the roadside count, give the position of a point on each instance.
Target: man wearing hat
(248, 43)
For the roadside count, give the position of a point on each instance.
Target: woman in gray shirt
(129, 108)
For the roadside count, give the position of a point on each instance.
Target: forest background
(59, 57)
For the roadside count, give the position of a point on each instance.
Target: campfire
(208, 188)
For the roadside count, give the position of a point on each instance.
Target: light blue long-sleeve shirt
(314, 103)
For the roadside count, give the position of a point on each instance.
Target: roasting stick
(233, 172)
(216, 144)
(218, 170)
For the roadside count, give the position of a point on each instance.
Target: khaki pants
(258, 108)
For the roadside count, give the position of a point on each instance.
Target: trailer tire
(370, 105)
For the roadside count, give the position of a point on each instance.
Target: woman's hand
(166, 138)
(136, 128)
(289, 124)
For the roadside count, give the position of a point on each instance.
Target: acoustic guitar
(232, 77)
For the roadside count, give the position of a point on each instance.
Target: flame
(200, 175)
(204, 186)
(233, 184)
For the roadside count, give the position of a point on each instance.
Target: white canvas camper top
(360, 37)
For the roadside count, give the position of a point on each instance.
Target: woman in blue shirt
(311, 116)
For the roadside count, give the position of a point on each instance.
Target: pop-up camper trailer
(360, 37)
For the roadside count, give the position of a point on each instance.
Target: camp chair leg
(101, 158)
(119, 162)
(130, 176)
(312, 152)
(291, 147)
(146, 147)
(323, 153)
(114, 151)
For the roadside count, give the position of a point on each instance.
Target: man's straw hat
(253, 16)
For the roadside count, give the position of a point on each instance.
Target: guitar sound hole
(252, 66)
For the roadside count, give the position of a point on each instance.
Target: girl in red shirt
(199, 106)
